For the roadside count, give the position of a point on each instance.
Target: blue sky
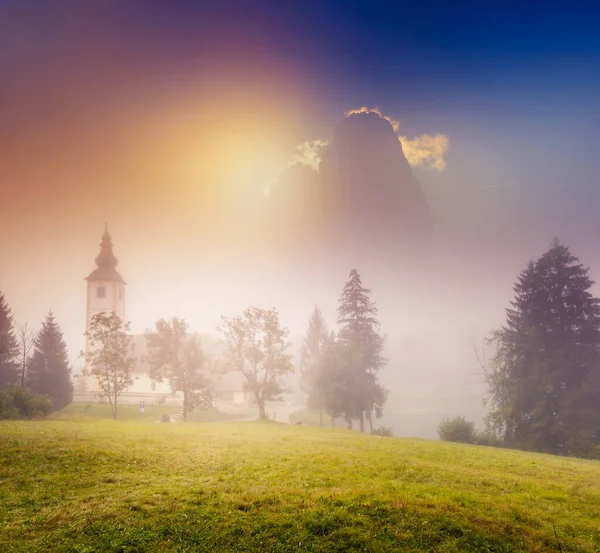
(514, 87)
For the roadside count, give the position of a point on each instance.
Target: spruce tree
(48, 371)
(311, 354)
(341, 381)
(545, 377)
(359, 337)
(8, 347)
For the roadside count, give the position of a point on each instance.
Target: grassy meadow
(86, 484)
(152, 413)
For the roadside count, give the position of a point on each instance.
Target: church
(106, 292)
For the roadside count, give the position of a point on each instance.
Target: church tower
(105, 286)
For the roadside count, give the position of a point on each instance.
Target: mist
(441, 272)
(283, 276)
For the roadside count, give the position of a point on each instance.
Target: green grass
(152, 413)
(86, 485)
(312, 418)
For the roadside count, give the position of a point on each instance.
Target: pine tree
(545, 377)
(311, 354)
(48, 370)
(8, 347)
(341, 381)
(359, 337)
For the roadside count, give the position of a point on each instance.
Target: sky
(170, 119)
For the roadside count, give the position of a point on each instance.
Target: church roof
(105, 273)
(106, 262)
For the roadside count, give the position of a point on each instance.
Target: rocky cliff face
(363, 208)
(371, 199)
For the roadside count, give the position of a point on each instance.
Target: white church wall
(109, 295)
(143, 384)
(101, 297)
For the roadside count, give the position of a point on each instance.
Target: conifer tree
(341, 381)
(48, 370)
(545, 378)
(359, 337)
(8, 346)
(311, 354)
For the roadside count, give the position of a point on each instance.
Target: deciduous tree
(25, 340)
(177, 356)
(110, 356)
(256, 344)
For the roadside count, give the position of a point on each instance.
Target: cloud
(364, 109)
(309, 153)
(421, 151)
(426, 150)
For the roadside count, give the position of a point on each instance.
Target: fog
(233, 173)
(441, 270)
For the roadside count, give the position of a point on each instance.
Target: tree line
(544, 378)
(35, 374)
(339, 371)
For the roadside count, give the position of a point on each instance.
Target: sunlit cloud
(426, 150)
(421, 151)
(309, 153)
(364, 109)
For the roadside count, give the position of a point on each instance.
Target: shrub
(457, 429)
(488, 439)
(21, 403)
(383, 431)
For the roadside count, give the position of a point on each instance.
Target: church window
(120, 294)
(101, 292)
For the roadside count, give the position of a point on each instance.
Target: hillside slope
(85, 485)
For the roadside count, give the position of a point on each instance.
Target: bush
(488, 439)
(21, 403)
(383, 431)
(457, 429)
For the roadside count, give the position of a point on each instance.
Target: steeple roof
(106, 262)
